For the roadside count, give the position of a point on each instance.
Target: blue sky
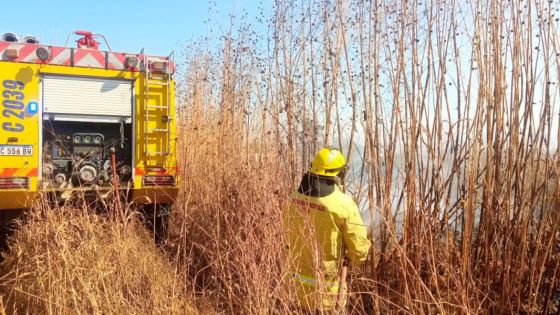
(158, 26)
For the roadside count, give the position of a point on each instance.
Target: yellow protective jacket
(321, 231)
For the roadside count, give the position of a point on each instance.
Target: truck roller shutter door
(86, 96)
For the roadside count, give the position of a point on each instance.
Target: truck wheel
(157, 217)
(7, 225)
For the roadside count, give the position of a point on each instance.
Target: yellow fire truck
(79, 119)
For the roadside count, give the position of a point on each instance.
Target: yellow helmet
(328, 162)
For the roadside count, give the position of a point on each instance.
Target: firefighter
(324, 228)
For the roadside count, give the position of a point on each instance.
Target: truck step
(151, 82)
(158, 130)
(156, 153)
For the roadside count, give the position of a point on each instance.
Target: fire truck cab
(79, 119)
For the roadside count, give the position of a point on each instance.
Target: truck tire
(7, 225)
(156, 217)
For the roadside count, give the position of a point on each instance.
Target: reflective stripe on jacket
(321, 231)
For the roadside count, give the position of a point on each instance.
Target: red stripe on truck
(8, 172)
(34, 172)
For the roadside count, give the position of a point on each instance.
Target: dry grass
(226, 227)
(448, 112)
(72, 261)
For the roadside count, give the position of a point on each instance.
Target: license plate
(16, 150)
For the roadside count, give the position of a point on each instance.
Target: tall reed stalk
(448, 114)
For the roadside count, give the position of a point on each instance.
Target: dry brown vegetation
(448, 112)
(72, 261)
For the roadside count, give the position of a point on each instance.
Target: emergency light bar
(10, 37)
(86, 54)
(30, 40)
